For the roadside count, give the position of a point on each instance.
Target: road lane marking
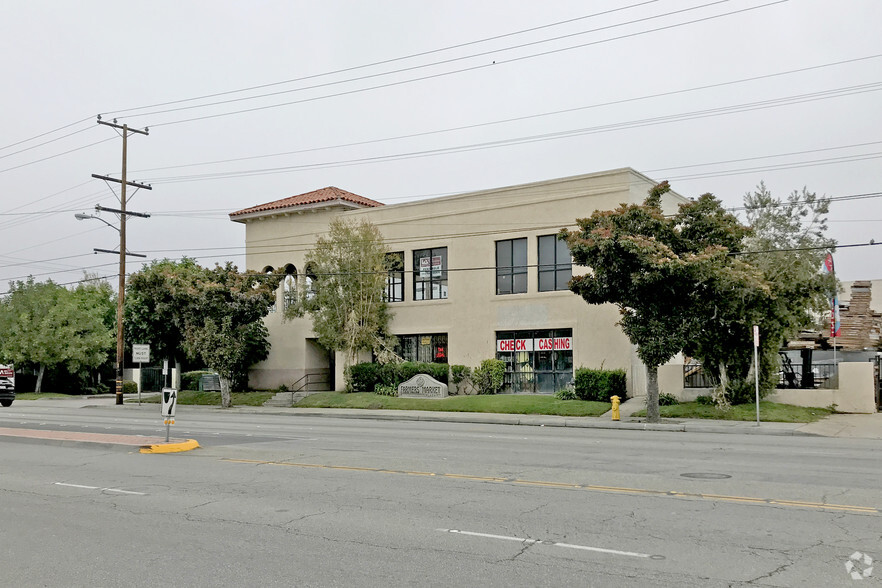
(76, 486)
(117, 490)
(528, 541)
(589, 487)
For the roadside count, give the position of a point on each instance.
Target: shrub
(667, 400)
(458, 373)
(362, 377)
(489, 376)
(566, 394)
(190, 380)
(704, 400)
(384, 390)
(600, 385)
(130, 387)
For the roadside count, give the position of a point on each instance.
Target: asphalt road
(316, 501)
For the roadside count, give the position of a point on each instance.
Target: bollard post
(615, 407)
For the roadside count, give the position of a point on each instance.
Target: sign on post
(140, 353)
(169, 400)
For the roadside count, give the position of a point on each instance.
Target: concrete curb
(692, 426)
(188, 445)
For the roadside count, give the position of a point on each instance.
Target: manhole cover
(706, 476)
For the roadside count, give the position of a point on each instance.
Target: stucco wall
(468, 225)
(856, 393)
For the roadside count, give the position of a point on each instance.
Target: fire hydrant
(615, 407)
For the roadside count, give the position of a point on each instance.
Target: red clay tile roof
(328, 194)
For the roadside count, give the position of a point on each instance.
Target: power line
(466, 69)
(56, 155)
(376, 63)
(44, 134)
(520, 118)
(624, 125)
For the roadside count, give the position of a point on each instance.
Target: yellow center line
(588, 487)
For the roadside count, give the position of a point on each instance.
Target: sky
(250, 102)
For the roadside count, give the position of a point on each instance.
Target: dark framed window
(430, 273)
(429, 348)
(395, 277)
(511, 266)
(555, 264)
(310, 282)
(269, 270)
(538, 361)
(289, 286)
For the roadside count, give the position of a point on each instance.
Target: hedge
(364, 377)
(600, 385)
(190, 380)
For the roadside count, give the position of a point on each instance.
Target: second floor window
(289, 286)
(555, 264)
(430, 273)
(511, 266)
(395, 277)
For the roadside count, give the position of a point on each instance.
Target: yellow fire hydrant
(615, 407)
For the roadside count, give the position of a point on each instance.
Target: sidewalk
(860, 426)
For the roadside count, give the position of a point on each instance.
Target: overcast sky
(249, 102)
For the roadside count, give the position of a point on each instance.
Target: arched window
(268, 270)
(310, 282)
(289, 286)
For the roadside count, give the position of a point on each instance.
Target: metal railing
(694, 376)
(307, 380)
(821, 375)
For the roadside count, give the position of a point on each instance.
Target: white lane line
(553, 543)
(76, 486)
(117, 490)
(123, 491)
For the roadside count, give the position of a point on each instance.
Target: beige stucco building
(481, 276)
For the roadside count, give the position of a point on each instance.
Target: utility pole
(120, 348)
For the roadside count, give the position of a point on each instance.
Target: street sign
(169, 400)
(756, 335)
(140, 353)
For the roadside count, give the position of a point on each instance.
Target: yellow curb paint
(187, 445)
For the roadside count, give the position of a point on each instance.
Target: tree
(46, 326)
(156, 298)
(788, 244)
(665, 273)
(223, 324)
(346, 299)
(211, 315)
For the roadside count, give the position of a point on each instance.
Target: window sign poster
(430, 267)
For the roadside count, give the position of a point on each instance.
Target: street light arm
(84, 216)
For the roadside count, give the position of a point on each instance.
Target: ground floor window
(431, 348)
(538, 360)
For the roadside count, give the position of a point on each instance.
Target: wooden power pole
(123, 213)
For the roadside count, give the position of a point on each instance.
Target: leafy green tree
(346, 299)
(47, 326)
(223, 324)
(209, 315)
(156, 298)
(663, 272)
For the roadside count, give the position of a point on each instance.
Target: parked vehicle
(7, 384)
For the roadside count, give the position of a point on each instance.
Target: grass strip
(498, 403)
(769, 411)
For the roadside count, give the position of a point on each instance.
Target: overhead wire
(376, 63)
(462, 70)
(609, 127)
